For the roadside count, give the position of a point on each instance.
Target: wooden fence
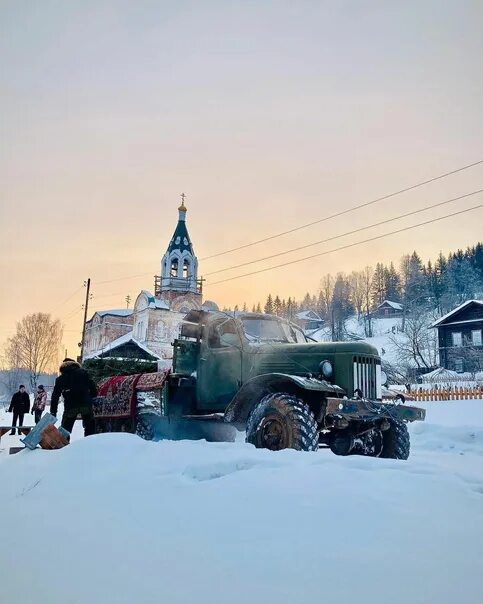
(453, 393)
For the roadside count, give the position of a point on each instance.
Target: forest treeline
(438, 285)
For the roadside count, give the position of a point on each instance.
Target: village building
(388, 308)
(460, 337)
(309, 320)
(147, 331)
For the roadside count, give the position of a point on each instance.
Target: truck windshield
(271, 330)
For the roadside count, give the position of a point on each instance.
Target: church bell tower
(179, 284)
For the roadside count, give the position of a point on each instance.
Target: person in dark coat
(20, 404)
(77, 389)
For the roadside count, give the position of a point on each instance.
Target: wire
(371, 226)
(68, 298)
(341, 213)
(123, 278)
(344, 247)
(71, 313)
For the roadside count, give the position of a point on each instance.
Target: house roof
(125, 339)
(308, 315)
(456, 310)
(392, 304)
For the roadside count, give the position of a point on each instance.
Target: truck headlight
(326, 369)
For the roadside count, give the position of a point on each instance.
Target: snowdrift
(113, 518)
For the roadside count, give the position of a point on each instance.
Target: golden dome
(182, 207)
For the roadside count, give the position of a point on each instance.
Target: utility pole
(86, 306)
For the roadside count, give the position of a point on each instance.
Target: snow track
(115, 519)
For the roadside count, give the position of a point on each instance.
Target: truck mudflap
(367, 410)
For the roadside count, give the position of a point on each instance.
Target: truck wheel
(395, 441)
(282, 421)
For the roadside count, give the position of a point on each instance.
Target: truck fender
(252, 391)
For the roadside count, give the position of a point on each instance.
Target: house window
(476, 337)
(458, 365)
(174, 267)
(457, 339)
(186, 269)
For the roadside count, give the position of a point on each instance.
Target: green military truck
(262, 374)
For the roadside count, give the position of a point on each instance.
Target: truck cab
(222, 352)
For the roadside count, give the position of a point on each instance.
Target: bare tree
(11, 374)
(35, 345)
(418, 345)
(356, 280)
(326, 295)
(366, 284)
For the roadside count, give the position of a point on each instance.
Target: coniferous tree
(277, 306)
(283, 312)
(392, 284)
(290, 309)
(268, 309)
(378, 285)
(259, 307)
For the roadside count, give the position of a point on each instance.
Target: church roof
(180, 240)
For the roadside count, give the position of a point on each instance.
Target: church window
(174, 267)
(186, 269)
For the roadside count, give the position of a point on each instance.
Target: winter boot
(12, 433)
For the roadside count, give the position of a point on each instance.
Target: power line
(123, 278)
(350, 245)
(343, 212)
(68, 298)
(365, 228)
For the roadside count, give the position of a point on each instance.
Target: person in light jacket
(39, 403)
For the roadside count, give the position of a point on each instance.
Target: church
(147, 331)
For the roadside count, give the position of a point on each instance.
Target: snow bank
(116, 519)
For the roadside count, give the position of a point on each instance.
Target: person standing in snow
(20, 404)
(77, 390)
(39, 403)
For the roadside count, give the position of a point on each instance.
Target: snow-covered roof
(153, 302)
(308, 315)
(119, 312)
(159, 303)
(125, 339)
(392, 304)
(456, 310)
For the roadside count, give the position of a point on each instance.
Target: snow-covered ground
(384, 330)
(115, 519)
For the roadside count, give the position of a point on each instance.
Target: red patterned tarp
(152, 381)
(116, 396)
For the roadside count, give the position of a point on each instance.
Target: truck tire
(395, 441)
(282, 421)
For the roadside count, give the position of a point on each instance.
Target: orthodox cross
(183, 197)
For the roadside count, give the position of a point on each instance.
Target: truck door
(220, 365)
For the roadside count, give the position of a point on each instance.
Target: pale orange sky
(267, 115)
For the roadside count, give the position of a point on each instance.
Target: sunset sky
(268, 115)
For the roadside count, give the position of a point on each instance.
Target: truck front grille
(367, 376)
